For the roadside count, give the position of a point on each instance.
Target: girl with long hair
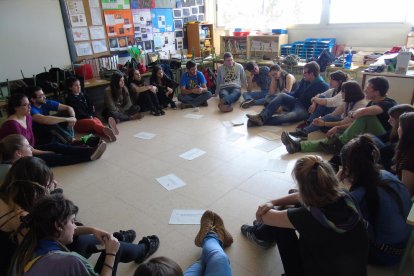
(165, 87)
(383, 199)
(332, 234)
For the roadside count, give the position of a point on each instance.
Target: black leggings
(148, 101)
(288, 245)
(85, 245)
(64, 155)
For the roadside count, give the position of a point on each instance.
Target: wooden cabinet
(200, 39)
(253, 46)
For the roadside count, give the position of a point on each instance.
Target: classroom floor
(232, 178)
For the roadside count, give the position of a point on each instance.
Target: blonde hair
(316, 180)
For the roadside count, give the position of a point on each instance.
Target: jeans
(213, 261)
(257, 96)
(85, 245)
(59, 133)
(230, 95)
(296, 111)
(64, 155)
(194, 99)
(327, 118)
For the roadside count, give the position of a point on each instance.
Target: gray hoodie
(230, 76)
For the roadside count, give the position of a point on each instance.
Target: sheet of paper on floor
(268, 146)
(145, 135)
(276, 165)
(234, 136)
(181, 216)
(193, 116)
(171, 182)
(192, 154)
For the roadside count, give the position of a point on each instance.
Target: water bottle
(348, 60)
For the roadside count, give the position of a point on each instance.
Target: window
(368, 11)
(269, 14)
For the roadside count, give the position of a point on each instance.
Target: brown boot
(221, 231)
(206, 226)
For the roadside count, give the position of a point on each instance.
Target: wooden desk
(401, 86)
(91, 83)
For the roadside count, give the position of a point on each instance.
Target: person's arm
(273, 87)
(67, 108)
(140, 89)
(98, 233)
(290, 199)
(243, 77)
(290, 80)
(52, 120)
(407, 178)
(249, 82)
(277, 218)
(372, 110)
(109, 101)
(111, 248)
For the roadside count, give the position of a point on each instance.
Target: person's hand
(100, 235)
(341, 175)
(318, 122)
(263, 209)
(153, 89)
(111, 244)
(312, 108)
(169, 90)
(332, 132)
(71, 121)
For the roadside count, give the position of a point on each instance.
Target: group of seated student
(345, 220)
(44, 238)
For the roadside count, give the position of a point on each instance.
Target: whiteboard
(32, 37)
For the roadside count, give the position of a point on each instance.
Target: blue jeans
(213, 261)
(321, 110)
(194, 99)
(230, 95)
(257, 96)
(296, 110)
(327, 118)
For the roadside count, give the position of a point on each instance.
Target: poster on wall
(119, 23)
(164, 43)
(80, 34)
(115, 4)
(162, 20)
(165, 4)
(83, 49)
(97, 32)
(142, 24)
(75, 7)
(142, 4)
(99, 46)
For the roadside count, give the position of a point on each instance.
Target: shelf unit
(200, 37)
(253, 46)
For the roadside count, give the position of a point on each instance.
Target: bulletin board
(120, 29)
(85, 30)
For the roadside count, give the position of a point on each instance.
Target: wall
(33, 37)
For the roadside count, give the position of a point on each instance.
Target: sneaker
(247, 103)
(225, 108)
(125, 236)
(303, 135)
(100, 149)
(291, 145)
(332, 146)
(112, 125)
(109, 134)
(255, 119)
(204, 103)
(185, 105)
(156, 113)
(221, 231)
(206, 226)
(173, 105)
(136, 116)
(151, 245)
(248, 231)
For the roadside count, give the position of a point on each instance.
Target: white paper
(237, 122)
(97, 32)
(78, 20)
(276, 165)
(80, 34)
(83, 49)
(99, 46)
(268, 146)
(110, 20)
(193, 116)
(94, 3)
(75, 6)
(171, 182)
(96, 16)
(192, 154)
(145, 135)
(179, 216)
(269, 135)
(227, 123)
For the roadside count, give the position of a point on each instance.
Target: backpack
(210, 78)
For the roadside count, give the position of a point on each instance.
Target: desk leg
(364, 77)
(406, 255)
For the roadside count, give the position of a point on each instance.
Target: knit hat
(339, 76)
